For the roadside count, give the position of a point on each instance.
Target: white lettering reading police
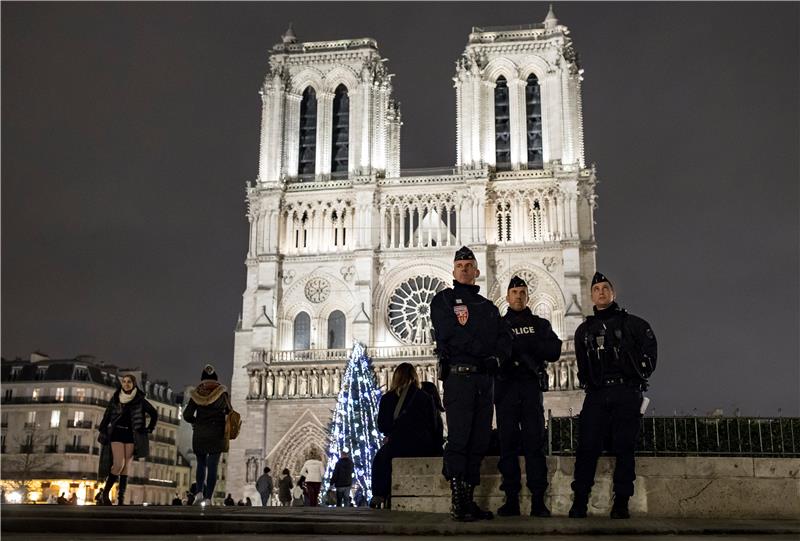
(524, 330)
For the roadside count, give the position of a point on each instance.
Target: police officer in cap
(471, 341)
(616, 353)
(518, 398)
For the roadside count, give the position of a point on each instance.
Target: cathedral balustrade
(420, 221)
(541, 214)
(319, 373)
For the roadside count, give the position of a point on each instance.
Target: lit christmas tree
(354, 426)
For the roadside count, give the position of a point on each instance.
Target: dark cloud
(129, 131)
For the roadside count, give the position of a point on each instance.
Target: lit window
(55, 419)
(60, 394)
(31, 418)
(79, 394)
(36, 393)
(78, 417)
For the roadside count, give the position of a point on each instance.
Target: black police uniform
(616, 353)
(520, 410)
(471, 340)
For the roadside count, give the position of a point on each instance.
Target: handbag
(233, 422)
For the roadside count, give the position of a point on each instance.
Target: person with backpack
(208, 406)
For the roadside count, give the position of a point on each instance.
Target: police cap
(463, 254)
(516, 281)
(600, 277)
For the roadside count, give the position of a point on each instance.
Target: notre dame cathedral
(346, 246)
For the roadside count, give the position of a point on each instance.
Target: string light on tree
(354, 426)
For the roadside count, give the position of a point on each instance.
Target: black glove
(492, 365)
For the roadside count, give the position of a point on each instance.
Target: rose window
(410, 309)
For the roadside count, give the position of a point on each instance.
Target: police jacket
(612, 345)
(469, 329)
(534, 343)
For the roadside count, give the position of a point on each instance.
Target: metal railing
(169, 420)
(694, 436)
(51, 448)
(79, 424)
(161, 460)
(81, 449)
(162, 439)
(53, 400)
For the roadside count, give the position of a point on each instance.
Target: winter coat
(206, 412)
(285, 488)
(313, 470)
(264, 484)
(343, 473)
(138, 407)
(414, 432)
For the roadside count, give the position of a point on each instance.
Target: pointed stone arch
(306, 434)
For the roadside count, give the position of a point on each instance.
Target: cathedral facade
(345, 246)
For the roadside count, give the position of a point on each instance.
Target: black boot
(110, 480)
(476, 511)
(123, 485)
(459, 509)
(620, 507)
(580, 506)
(538, 507)
(511, 507)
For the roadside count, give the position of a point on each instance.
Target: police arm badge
(462, 314)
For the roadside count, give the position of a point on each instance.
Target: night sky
(129, 131)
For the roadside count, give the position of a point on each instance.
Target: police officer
(518, 398)
(472, 340)
(616, 353)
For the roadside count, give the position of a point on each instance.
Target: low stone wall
(698, 487)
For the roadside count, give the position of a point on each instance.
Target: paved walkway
(219, 523)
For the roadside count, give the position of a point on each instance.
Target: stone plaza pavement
(40, 522)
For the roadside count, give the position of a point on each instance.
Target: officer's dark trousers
(468, 406)
(520, 423)
(614, 409)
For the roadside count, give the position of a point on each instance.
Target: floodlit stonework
(346, 246)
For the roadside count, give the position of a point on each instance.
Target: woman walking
(313, 471)
(208, 405)
(123, 428)
(285, 488)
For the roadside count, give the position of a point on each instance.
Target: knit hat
(209, 373)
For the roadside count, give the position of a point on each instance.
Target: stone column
(292, 147)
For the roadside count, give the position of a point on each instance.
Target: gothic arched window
(503, 215)
(302, 331)
(533, 117)
(502, 126)
(336, 328)
(537, 221)
(341, 130)
(308, 132)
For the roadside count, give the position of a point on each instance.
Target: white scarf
(124, 397)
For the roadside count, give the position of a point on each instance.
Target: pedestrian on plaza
(264, 487)
(229, 501)
(240, 503)
(285, 488)
(177, 500)
(299, 493)
(616, 353)
(313, 471)
(407, 419)
(124, 430)
(472, 342)
(208, 405)
(438, 431)
(342, 479)
(519, 402)
(61, 500)
(52, 499)
(73, 499)
(248, 502)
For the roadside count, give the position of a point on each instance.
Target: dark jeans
(609, 409)
(343, 496)
(313, 493)
(207, 473)
(520, 425)
(468, 406)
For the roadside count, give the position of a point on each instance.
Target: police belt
(466, 369)
(611, 382)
